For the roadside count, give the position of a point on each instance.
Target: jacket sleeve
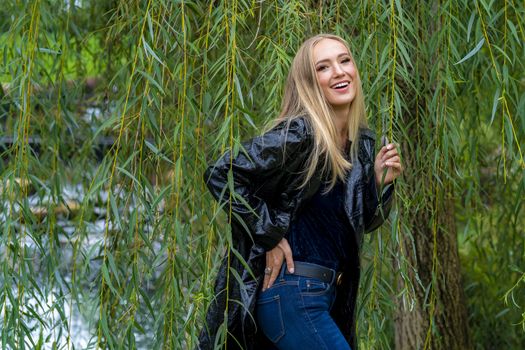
(376, 209)
(377, 206)
(232, 181)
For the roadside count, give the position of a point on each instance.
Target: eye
(346, 60)
(321, 68)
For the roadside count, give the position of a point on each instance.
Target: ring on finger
(267, 270)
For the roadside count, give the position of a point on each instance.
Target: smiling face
(336, 73)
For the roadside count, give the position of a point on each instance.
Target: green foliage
(117, 247)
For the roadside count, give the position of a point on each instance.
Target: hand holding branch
(387, 165)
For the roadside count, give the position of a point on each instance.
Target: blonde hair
(303, 97)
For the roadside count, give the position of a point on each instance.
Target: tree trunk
(438, 319)
(434, 316)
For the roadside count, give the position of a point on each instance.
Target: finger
(285, 247)
(289, 260)
(390, 154)
(265, 282)
(395, 165)
(382, 151)
(273, 276)
(392, 162)
(391, 146)
(394, 159)
(266, 276)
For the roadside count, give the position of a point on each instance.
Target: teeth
(340, 85)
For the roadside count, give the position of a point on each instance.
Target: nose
(338, 70)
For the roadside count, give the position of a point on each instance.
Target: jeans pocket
(270, 319)
(313, 286)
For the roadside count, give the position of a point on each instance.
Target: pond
(57, 310)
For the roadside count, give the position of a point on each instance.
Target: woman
(301, 196)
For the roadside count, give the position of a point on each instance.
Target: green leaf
(107, 278)
(469, 27)
(472, 52)
(52, 52)
(113, 267)
(495, 105)
(114, 208)
(149, 51)
(152, 81)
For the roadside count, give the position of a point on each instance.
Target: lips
(340, 85)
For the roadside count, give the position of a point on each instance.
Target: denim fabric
(295, 314)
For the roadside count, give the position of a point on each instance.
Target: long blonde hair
(303, 97)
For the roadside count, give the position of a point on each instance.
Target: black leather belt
(322, 273)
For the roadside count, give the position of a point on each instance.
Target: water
(46, 302)
(64, 319)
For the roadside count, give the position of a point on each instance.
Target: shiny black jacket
(265, 177)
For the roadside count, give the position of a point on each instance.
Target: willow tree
(111, 110)
(436, 317)
(432, 75)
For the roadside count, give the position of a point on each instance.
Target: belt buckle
(339, 278)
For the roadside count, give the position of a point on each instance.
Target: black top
(321, 233)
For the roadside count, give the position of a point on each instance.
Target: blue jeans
(295, 314)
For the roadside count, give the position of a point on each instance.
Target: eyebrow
(327, 59)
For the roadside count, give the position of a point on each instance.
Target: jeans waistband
(311, 270)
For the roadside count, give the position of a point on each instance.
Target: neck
(341, 122)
